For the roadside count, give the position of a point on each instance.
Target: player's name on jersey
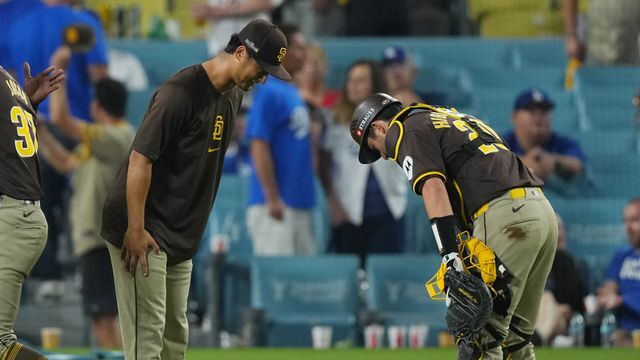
(16, 90)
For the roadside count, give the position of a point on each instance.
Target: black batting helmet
(364, 114)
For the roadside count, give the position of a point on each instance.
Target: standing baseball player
(23, 227)
(470, 180)
(155, 217)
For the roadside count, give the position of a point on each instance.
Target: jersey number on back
(27, 145)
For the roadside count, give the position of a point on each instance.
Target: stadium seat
(297, 293)
(605, 142)
(397, 293)
(594, 226)
(620, 164)
(614, 184)
(608, 76)
(137, 103)
(162, 59)
(610, 118)
(528, 53)
(228, 216)
(501, 77)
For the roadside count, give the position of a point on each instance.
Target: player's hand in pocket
(135, 248)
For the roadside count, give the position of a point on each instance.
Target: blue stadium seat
(297, 293)
(590, 210)
(501, 77)
(137, 103)
(608, 76)
(594, 226)
(449, 80)
(228, 215)
(161, 59)
(398, 295)
(621, 164)
(614, 184)
(528, 53)
(605, 142)
(610, 118)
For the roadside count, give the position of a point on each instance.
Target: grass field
(360, 354)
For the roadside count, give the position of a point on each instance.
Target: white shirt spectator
(350, 177)
(219, 30)
(127, 68)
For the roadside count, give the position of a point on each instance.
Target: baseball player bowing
(470, 180)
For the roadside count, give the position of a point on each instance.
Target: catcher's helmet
(364, 114)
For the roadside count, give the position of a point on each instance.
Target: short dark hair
(233, 44)
(112, 97)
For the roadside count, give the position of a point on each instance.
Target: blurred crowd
(290, 133)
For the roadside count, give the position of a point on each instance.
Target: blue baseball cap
(533, 98)
(392, 55)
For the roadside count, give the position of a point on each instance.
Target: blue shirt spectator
(540, 149)
(624, 269)
(280, 117)
(620, 291)
(556, 144)
(35, 37)
(10, 11)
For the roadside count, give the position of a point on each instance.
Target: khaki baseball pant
(153, 309)
(23, 235)
(523, 232)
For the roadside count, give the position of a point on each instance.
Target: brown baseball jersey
(19, 169)
(425, 144)
(185, 132)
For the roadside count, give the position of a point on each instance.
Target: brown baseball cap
(267, 45)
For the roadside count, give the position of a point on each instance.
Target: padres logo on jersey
(216, 135)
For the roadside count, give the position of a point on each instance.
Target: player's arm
(137, 240)
(443, 223)
(265, 170)
(62, 160)
(59, 112)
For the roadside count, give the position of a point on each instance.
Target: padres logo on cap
(281, 54)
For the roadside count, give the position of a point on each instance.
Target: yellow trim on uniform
(517, 193)
(399, 140)
(463, 215)
(429, 173)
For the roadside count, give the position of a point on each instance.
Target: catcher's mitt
(469, 307)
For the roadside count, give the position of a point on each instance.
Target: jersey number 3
(484, 148)
(27, 145)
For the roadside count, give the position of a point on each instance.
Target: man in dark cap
(542, 150)
(154, 218)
